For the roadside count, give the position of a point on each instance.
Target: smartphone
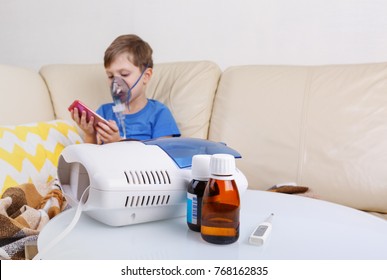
(82, 107)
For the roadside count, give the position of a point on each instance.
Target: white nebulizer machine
(131, 182)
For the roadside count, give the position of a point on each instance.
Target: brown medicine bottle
(221, 202)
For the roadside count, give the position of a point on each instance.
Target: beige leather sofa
(324, 127)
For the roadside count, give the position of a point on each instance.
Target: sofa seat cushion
(30, 152)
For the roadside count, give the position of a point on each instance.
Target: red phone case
(82, 107)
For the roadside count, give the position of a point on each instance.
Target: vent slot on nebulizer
(145, 177)
(146, 200)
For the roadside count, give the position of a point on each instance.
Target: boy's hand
(108, 133)
(87, 127)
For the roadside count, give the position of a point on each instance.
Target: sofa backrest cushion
(320, 126)
(187, 88)
(68, 82)
(24, 96)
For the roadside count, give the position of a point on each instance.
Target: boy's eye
(122, 75)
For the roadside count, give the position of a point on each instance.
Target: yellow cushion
(29, 153)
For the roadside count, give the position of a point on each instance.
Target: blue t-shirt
(153, 121)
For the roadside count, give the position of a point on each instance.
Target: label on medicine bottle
(194, 204)
(192, 208)
(200, 174)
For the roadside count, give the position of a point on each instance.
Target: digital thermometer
(261, 232)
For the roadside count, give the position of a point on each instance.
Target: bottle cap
(222, 164)
(201, 167)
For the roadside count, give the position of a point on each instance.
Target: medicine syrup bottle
(221, 203)
(200, 174)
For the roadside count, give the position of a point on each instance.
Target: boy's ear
(147, 75)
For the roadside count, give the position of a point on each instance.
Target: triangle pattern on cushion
(30, 152)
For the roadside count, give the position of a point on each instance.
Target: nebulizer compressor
(131, 182)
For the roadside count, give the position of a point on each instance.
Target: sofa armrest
(24, 96)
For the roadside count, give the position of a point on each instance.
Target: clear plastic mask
(121, 94)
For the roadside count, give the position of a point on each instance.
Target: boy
(129, 58)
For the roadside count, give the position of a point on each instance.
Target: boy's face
(124, 68)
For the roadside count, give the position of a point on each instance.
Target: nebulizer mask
(121, 93)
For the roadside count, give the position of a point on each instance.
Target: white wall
(229, 32)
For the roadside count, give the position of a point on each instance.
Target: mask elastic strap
(132, 87)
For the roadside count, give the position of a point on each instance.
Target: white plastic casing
(129, 182)
(261, 232)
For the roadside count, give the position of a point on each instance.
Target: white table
(303, 228)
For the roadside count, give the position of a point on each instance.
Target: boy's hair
(139, 51)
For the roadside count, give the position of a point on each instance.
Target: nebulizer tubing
(121, 93)
(78, 211)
